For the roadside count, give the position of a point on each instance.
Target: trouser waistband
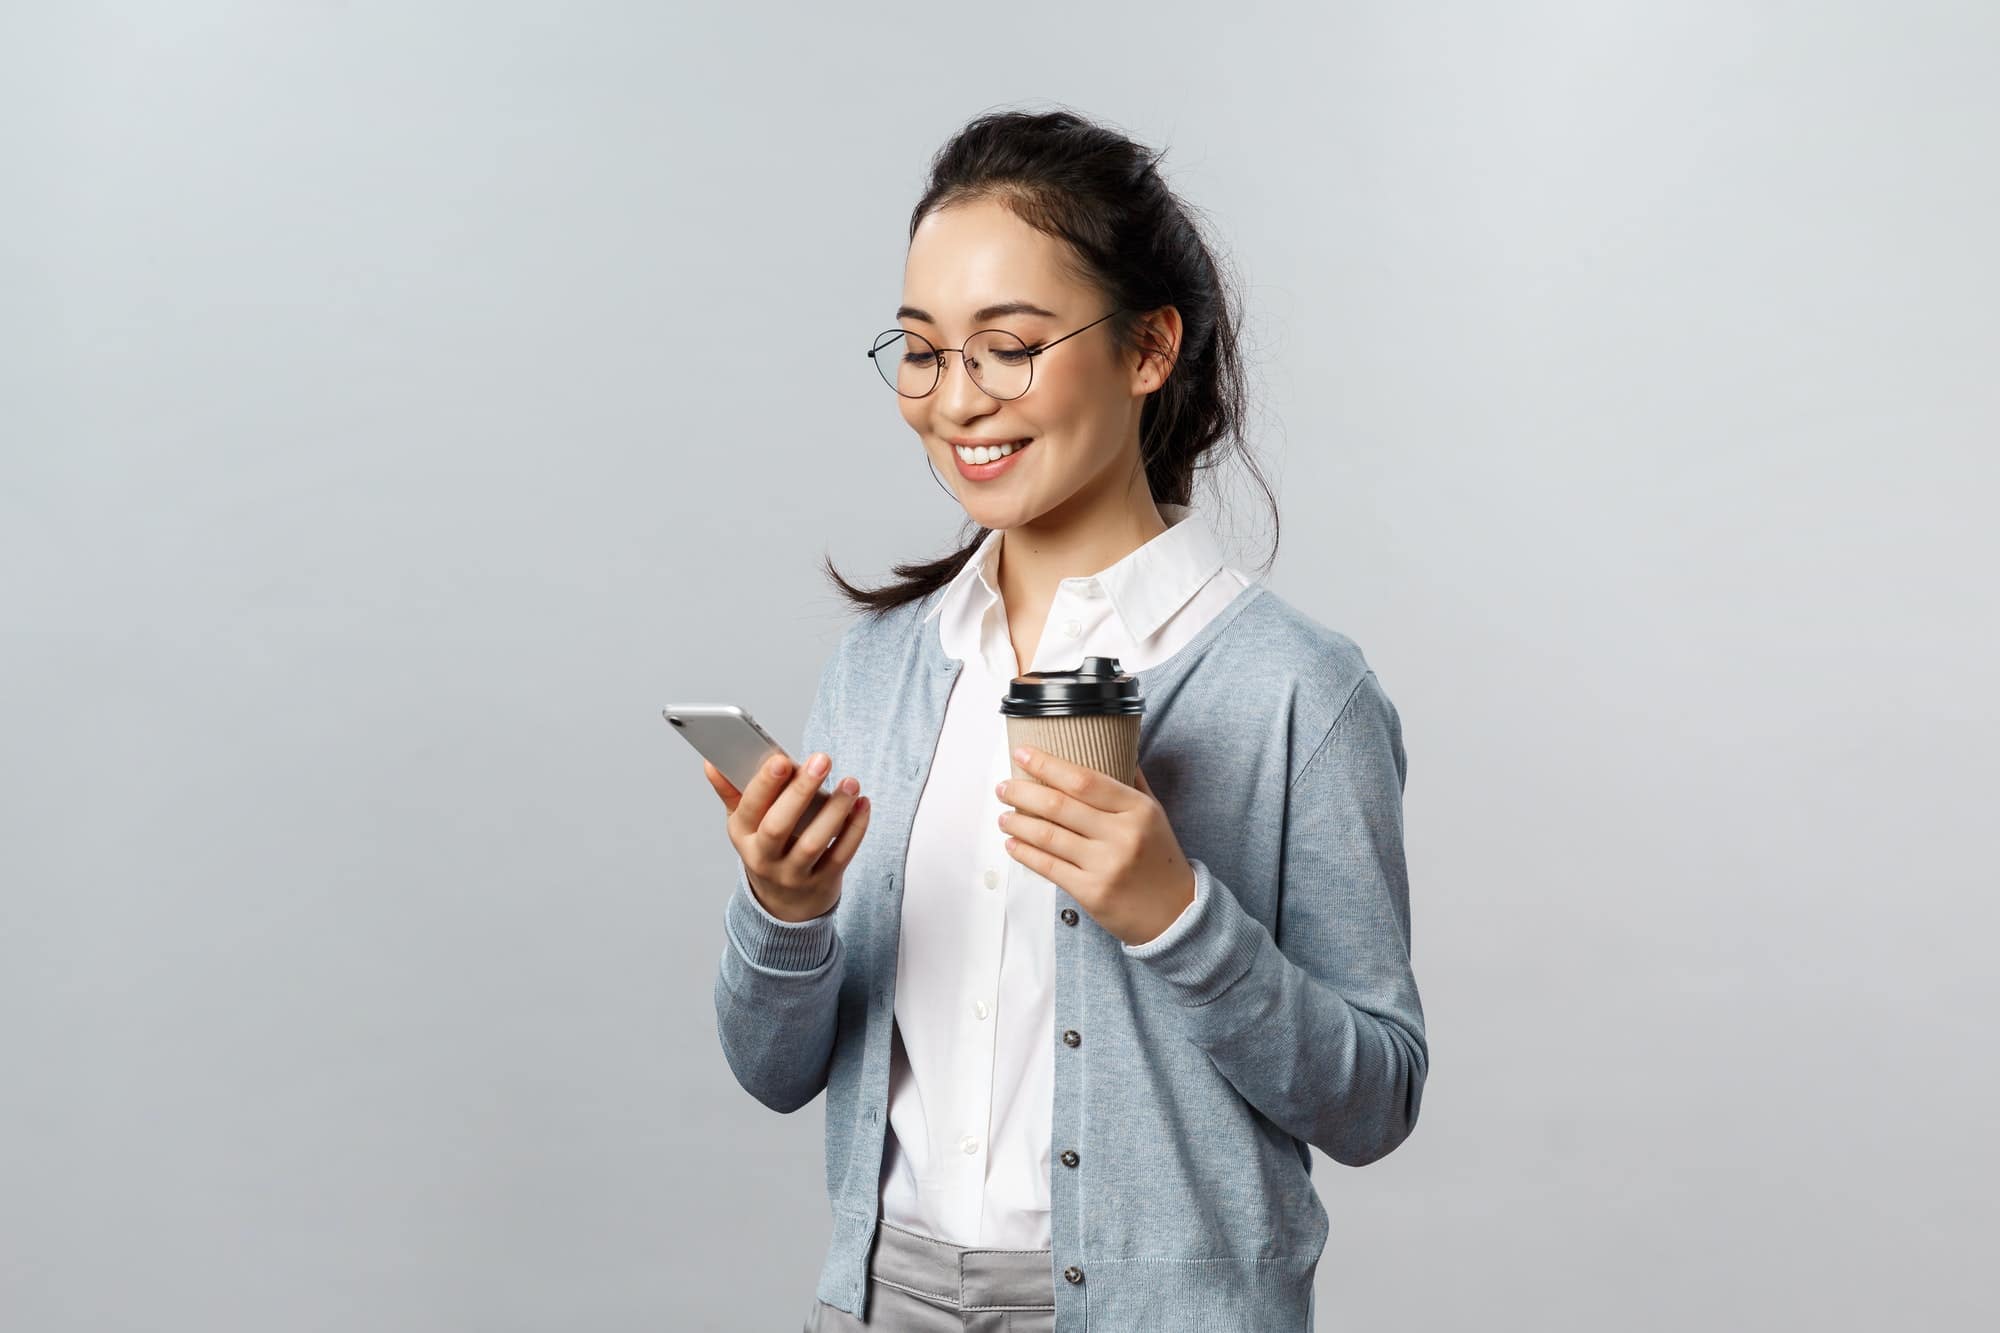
(962, 1277)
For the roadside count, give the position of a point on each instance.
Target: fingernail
(818, 765)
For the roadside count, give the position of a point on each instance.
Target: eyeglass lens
(910, 363)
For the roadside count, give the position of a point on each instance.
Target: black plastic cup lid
(1098, 686)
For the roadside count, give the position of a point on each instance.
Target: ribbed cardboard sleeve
(1107, 742)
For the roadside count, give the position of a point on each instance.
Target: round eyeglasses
(1000, 363)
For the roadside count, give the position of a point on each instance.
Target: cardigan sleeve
(1321, 1029)
(778, 985)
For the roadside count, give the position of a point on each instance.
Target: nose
(958, 393)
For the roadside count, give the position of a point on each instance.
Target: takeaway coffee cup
(1089, 716)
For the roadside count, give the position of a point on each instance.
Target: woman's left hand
(1107, 845)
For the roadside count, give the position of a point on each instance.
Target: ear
(1160, 344)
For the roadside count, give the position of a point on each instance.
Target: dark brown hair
(1126, 232)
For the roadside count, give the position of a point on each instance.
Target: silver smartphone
(730, 738)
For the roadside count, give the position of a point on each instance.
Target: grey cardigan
(1188, 1080)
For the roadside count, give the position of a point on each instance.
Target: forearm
(776, 1000)
(1325, 1035)
(1349, 1080)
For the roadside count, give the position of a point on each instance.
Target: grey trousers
(919, 1284)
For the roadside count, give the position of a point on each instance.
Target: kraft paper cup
(1107, 742)
(1089, 716)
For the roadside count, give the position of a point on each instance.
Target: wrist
(792, 914)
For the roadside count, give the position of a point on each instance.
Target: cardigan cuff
(771, 945)
(1210, 945)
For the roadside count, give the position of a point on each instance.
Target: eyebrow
(982, 314)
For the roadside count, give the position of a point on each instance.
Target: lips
(983, 471)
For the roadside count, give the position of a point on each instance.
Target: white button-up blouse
(966, 1157)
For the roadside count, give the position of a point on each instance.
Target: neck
(1075, 540)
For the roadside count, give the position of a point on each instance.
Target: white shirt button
(970, 1144)
(992, 879)
(1072, 628)
(979, 1007)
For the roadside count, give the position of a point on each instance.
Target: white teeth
(985, 453)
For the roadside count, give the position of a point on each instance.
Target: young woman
(1076, 1035)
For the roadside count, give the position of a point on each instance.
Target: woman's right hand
(795, 880)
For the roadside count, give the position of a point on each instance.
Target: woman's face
(1080, 414)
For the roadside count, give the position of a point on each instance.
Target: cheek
(1077, 420)
(1071, 406)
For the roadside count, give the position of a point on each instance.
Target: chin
(991, 516)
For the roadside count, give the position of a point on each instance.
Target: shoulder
(1316, 666)
(877, 645)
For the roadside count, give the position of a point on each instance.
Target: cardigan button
(1069, 1157)
(1072, 1274)
(1072, 1038)
(1069, 916)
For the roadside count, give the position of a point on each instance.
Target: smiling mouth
(982, 454)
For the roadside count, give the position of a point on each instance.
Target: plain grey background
(403, 402)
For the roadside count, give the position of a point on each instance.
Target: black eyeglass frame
(883, 339)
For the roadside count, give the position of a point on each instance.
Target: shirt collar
(1144, 588)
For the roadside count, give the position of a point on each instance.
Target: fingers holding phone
(796, 878)
(724, 788)
(795, 839)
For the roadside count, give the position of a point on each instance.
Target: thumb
(724, 788)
